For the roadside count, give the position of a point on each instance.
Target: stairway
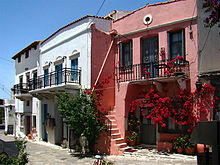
(116, 137)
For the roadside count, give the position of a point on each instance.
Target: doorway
(44, 118)
(148, 131)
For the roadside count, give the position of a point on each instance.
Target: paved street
(47, 154)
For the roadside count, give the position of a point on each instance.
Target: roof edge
(69, 25)
(33, 44)
(147, 5)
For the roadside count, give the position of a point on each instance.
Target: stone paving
(41, 153)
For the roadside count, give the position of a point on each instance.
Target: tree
(82, 115)
(212, 7)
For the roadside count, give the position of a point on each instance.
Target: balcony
(164, 69)
(56, 78)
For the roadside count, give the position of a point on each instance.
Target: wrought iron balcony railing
(159, 69)
(59, 77)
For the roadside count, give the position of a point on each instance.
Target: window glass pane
(176, 44)
(126, 54)
(46, 82)
(58, 70)
(74, 69)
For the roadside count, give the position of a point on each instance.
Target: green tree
(82, 115)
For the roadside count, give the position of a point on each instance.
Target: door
(28, 124)
(35, 80)
(46, 82)
(44, 122)
(150, 57)
(58, 70)
(74, 69)
(148, 131)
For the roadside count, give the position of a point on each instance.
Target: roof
(33, 44)
(148, 5)
(69, 25)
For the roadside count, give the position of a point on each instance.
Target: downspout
(103, 64)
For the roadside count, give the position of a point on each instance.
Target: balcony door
(74, 69)
(58, 70)
(150, 57)
(46, 81)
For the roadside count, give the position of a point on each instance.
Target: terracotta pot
(200, 148)
(179, 150)
(131, 142)
(190, 151)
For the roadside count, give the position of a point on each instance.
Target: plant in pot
(183, 142)
(131, 139)
(188, 146)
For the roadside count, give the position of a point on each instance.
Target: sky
(25, 21)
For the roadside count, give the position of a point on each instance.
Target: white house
(26, 106)
(68, 60)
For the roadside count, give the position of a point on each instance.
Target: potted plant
(131, 139)
(182, 143)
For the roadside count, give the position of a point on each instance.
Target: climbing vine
(184, 109)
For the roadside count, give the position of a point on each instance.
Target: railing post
(79, 77)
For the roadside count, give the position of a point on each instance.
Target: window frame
(122, 55)
(183, 46)
(27, 54)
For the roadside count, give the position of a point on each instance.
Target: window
(172, 127)
(46, 82)
(19, 59)
(27, 54)
(176, 41)
(58, 75)
(34, 79)
(21, 82)
(74, 69)
(126, 54)
(28, 80)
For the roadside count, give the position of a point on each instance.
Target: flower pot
(200, 148)
(190, 150)
(179, 150)
(131, 142)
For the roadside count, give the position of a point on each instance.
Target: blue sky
(25, 21)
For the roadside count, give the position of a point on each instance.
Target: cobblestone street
(41, 153)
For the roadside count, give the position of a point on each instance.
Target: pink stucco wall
(101, 42)
(164, 13)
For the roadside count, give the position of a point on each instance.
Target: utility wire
(97, 13)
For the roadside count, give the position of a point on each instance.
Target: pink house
(146, 40)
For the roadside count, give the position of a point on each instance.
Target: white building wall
(27, 63)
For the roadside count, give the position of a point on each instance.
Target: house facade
(137, 47)
(148, 40)
(26, 106)
(69, 60)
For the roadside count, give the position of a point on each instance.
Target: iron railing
(150, 70)
(59, 77)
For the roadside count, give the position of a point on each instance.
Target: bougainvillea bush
(185, 108)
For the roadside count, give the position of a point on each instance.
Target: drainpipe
(103, 64)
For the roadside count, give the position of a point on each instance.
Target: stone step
(114, 130)
(122, 145)
(116, 135)
(114, 126)
(113, 121)
(110, 117)
(119, 140)
(111, 112)
(126, 149)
